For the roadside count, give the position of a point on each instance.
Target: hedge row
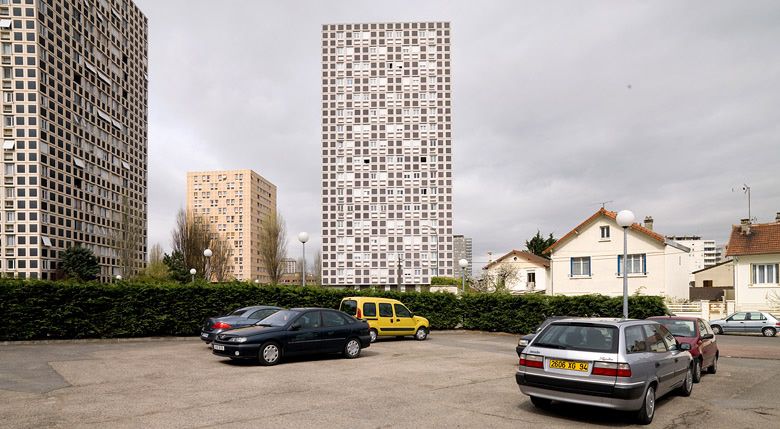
(40, 309)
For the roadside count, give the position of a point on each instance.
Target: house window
(580, 266)
(605, 232)
(636, 264)
(765, 273)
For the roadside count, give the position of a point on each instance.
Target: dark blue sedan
(246, 316)
(297, 331)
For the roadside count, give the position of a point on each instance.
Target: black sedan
(525, 339)
(297, 331)
(246, 316)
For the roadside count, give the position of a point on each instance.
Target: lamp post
(303, 237)
(463, 264)
(192, 274)
(257, 281)
(207, 253)
(119, 277)
(625, 218)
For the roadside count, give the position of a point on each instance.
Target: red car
(697, 333)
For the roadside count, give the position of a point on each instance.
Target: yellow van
(386, 317)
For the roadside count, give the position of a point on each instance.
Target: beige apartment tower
(74, 109)
(234, 202)
(386, 154)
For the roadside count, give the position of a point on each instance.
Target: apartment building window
(635, 264)
(604, 232)
(580, 266)
(765, 273)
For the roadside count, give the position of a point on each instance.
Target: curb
(99, 341)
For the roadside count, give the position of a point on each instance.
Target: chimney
(777, 217)
(649, 222)
(745, 226)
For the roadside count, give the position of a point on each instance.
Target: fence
(707, 310)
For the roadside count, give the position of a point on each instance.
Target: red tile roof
(612, 215)
(528, 256)
(763, 238)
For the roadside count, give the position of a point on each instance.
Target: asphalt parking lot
(454, 379)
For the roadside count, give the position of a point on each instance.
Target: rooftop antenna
(746, 189)
(604, 203)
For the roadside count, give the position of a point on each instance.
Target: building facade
(589, 259)
(386, 154)
(462, 249)
(704, 253)
(519, 272)
(74, 106)
(755, 252)
(234, 203)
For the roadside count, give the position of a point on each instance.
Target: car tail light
(359, 314)
(611, 369)
(777, 324)
(221, 325)
(531, 361)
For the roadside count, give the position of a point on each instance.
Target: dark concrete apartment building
(74, 107)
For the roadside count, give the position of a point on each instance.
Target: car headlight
(523, 343)
(237, 339)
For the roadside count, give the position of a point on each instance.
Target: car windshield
(239, 312)
(679, 328)
(579, 336)
(280, 318)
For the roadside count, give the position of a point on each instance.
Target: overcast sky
(661, 107)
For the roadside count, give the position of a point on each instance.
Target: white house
(756, 252)
(589, 260)
(522, 272)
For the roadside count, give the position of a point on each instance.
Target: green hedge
(40, 309)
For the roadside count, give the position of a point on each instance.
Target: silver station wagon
(611, 363)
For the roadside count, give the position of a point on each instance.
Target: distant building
(461, 249)
(755, 249)
(589, 259)
(234, 203)
(704, 253)
(289, 266)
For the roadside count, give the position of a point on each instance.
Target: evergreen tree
(537, 243)
(80, 263)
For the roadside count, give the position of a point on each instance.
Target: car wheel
(373, 334)
(646, 413)
(769, 332)
(540, 402)
(421, 334)
(269, 354)
(352, 348)
(713, 369)
(696, 370)
(717, 329)
(687, 386)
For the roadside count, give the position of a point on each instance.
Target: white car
(753, 322)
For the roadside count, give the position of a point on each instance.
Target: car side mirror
(685, 346)
(295, 327)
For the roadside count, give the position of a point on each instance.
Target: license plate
(569, 365)
(218, 347)
(204, 335)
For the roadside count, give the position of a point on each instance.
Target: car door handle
(676, 360)
(397, 320)
(657, 364)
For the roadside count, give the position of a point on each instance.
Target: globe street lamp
(463, 264)
(119, 277)
(192, 274)
(303, 238)
(257, 281)
(208, 253)
(625, 218)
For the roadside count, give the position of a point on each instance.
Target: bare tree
(156, 268)
(191, 236)
(273, 245)
(318, 267)
(125, 240)
(496, 280)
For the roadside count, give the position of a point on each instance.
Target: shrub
(44, 309)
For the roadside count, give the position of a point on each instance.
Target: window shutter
(644, 263)
(589, 273)
(571, 267)
(620, 264)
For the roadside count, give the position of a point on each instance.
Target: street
(454, 379)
